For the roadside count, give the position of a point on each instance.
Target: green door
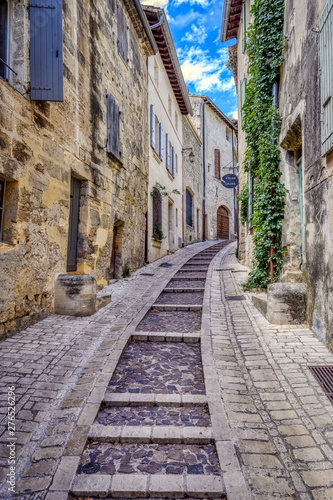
(300, 174)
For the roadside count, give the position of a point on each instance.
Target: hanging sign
(229, 181)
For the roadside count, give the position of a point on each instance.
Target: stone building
(168, 101)
(218, 136)
(74, 141)
(192, 184)
(306, 143)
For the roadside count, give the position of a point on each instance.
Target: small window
(122, 34)
(209, 165)
(176, 121)
(157, 135)
(176, 164)
(217, 158)
(228, 135)
(173, 162)
(156, 73)
(157, 213)
(169, 105)
(112, 119)
(189, 206)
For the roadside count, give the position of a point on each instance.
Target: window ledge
(156, 156)
(4, 247)
(170, 175)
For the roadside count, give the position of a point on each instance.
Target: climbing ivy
(261, 123)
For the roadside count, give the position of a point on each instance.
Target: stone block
(204, 486)
(260, 302)
(166, 486)
(286, 303)
(75, 294)
(129, 485)
(102, 300)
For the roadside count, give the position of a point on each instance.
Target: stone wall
(217, 136)
(192, 181)
(43, 144)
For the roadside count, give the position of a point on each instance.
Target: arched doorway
(222, 223)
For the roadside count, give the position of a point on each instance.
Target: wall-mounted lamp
(191, 155)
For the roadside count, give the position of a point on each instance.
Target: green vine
(243, 199)
(261, 123)
(162, 190)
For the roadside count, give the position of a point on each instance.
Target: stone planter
(75, 295)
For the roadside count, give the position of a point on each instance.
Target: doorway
(73, 227)
(222, 223)
(170, 226)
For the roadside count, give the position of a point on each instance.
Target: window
(217, 158)
(228, 135)
(167, 152)
(189, 203)
(157, 212)
(157, 135)
(152, 126)
(156, 73)
(176, 164)
(122, 34)
(209, 165)
(173, 161)
(2, 204)
(112, 119)
(326, 46)
(46, 51)
(169, 105)
(176, 121)
(160, 151)
(3, 37)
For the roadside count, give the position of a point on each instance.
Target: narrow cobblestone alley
(177, 389)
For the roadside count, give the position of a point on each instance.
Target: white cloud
(156, 3)
(202, 3)
(235, 114)
(181, 20)
(197, 34)
(205, 71)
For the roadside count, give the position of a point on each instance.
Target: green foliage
(126, 272)
(261, 122)
(163, 191)
(243, 199)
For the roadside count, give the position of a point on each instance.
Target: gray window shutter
(122, 33)
(167, 154)
(326, 63)
(46, 59)
(173, 161)
(161, 142)
(112, 118)
(152, 126)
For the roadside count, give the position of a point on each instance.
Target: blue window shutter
(112, 122)
(173, 162)
(46, 56)
(161, 142)
(167, 157)
(326, 57)
(152, 126)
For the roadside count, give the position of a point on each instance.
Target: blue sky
(195, 26)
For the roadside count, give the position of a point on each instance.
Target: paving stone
(166, 486)
(168, 321)
(200, 487)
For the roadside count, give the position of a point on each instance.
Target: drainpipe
(204, 174)
(160, 22)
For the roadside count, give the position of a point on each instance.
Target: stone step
(140, 399)
(166, 337)
(176, 307)
(188, 278)
(150, 434)
(183, 290)
(149, 485)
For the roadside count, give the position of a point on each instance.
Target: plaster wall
(159, 93)
(43, 144)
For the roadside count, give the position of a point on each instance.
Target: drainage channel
(152, 437)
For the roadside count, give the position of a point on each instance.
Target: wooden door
(73, 228)
(113, 254)
(222, 223)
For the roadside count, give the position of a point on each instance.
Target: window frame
(189, 196)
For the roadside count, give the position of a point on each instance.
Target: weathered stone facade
(306, 171)
(192, 181)
(217, 133)
(45, 144)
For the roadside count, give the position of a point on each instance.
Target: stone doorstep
(188, 278)
(158, 434)
(140, 485)
(169, 307)
(183, 290)
(166, 337)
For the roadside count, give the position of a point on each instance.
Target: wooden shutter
(167, 154)
(46, 59)
(152, 126)
(188, 208)
(242, 95)
(161, 141)
(217, 158)
(326, 62)
(112, 119)
(173, 161)
(122, 33)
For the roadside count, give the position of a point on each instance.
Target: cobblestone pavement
(269, 424)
